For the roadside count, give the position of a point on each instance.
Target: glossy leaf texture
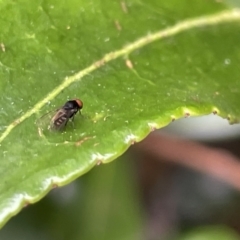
(135, 65)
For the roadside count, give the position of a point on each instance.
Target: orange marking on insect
(79, 102)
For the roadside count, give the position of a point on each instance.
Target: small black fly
(59, 118)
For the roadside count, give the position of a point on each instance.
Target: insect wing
(59, 120)
(45, 121)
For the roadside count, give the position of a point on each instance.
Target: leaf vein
(214, 19)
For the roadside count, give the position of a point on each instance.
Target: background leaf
(212, 232)
(47, 48)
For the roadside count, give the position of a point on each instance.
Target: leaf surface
(136, 66)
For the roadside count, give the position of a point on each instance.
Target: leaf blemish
(153, 126)
(99, 116)
(96, 157)
(129, 63)
(2, 47)
(16, 122)
(124, 7)
(80, 142)
(131, 138)
(99, 162)
(99, 63)
(117, 25)
(26, 204)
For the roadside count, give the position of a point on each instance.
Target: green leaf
(135, 66)
(211, 233)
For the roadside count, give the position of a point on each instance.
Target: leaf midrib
(208, 20)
